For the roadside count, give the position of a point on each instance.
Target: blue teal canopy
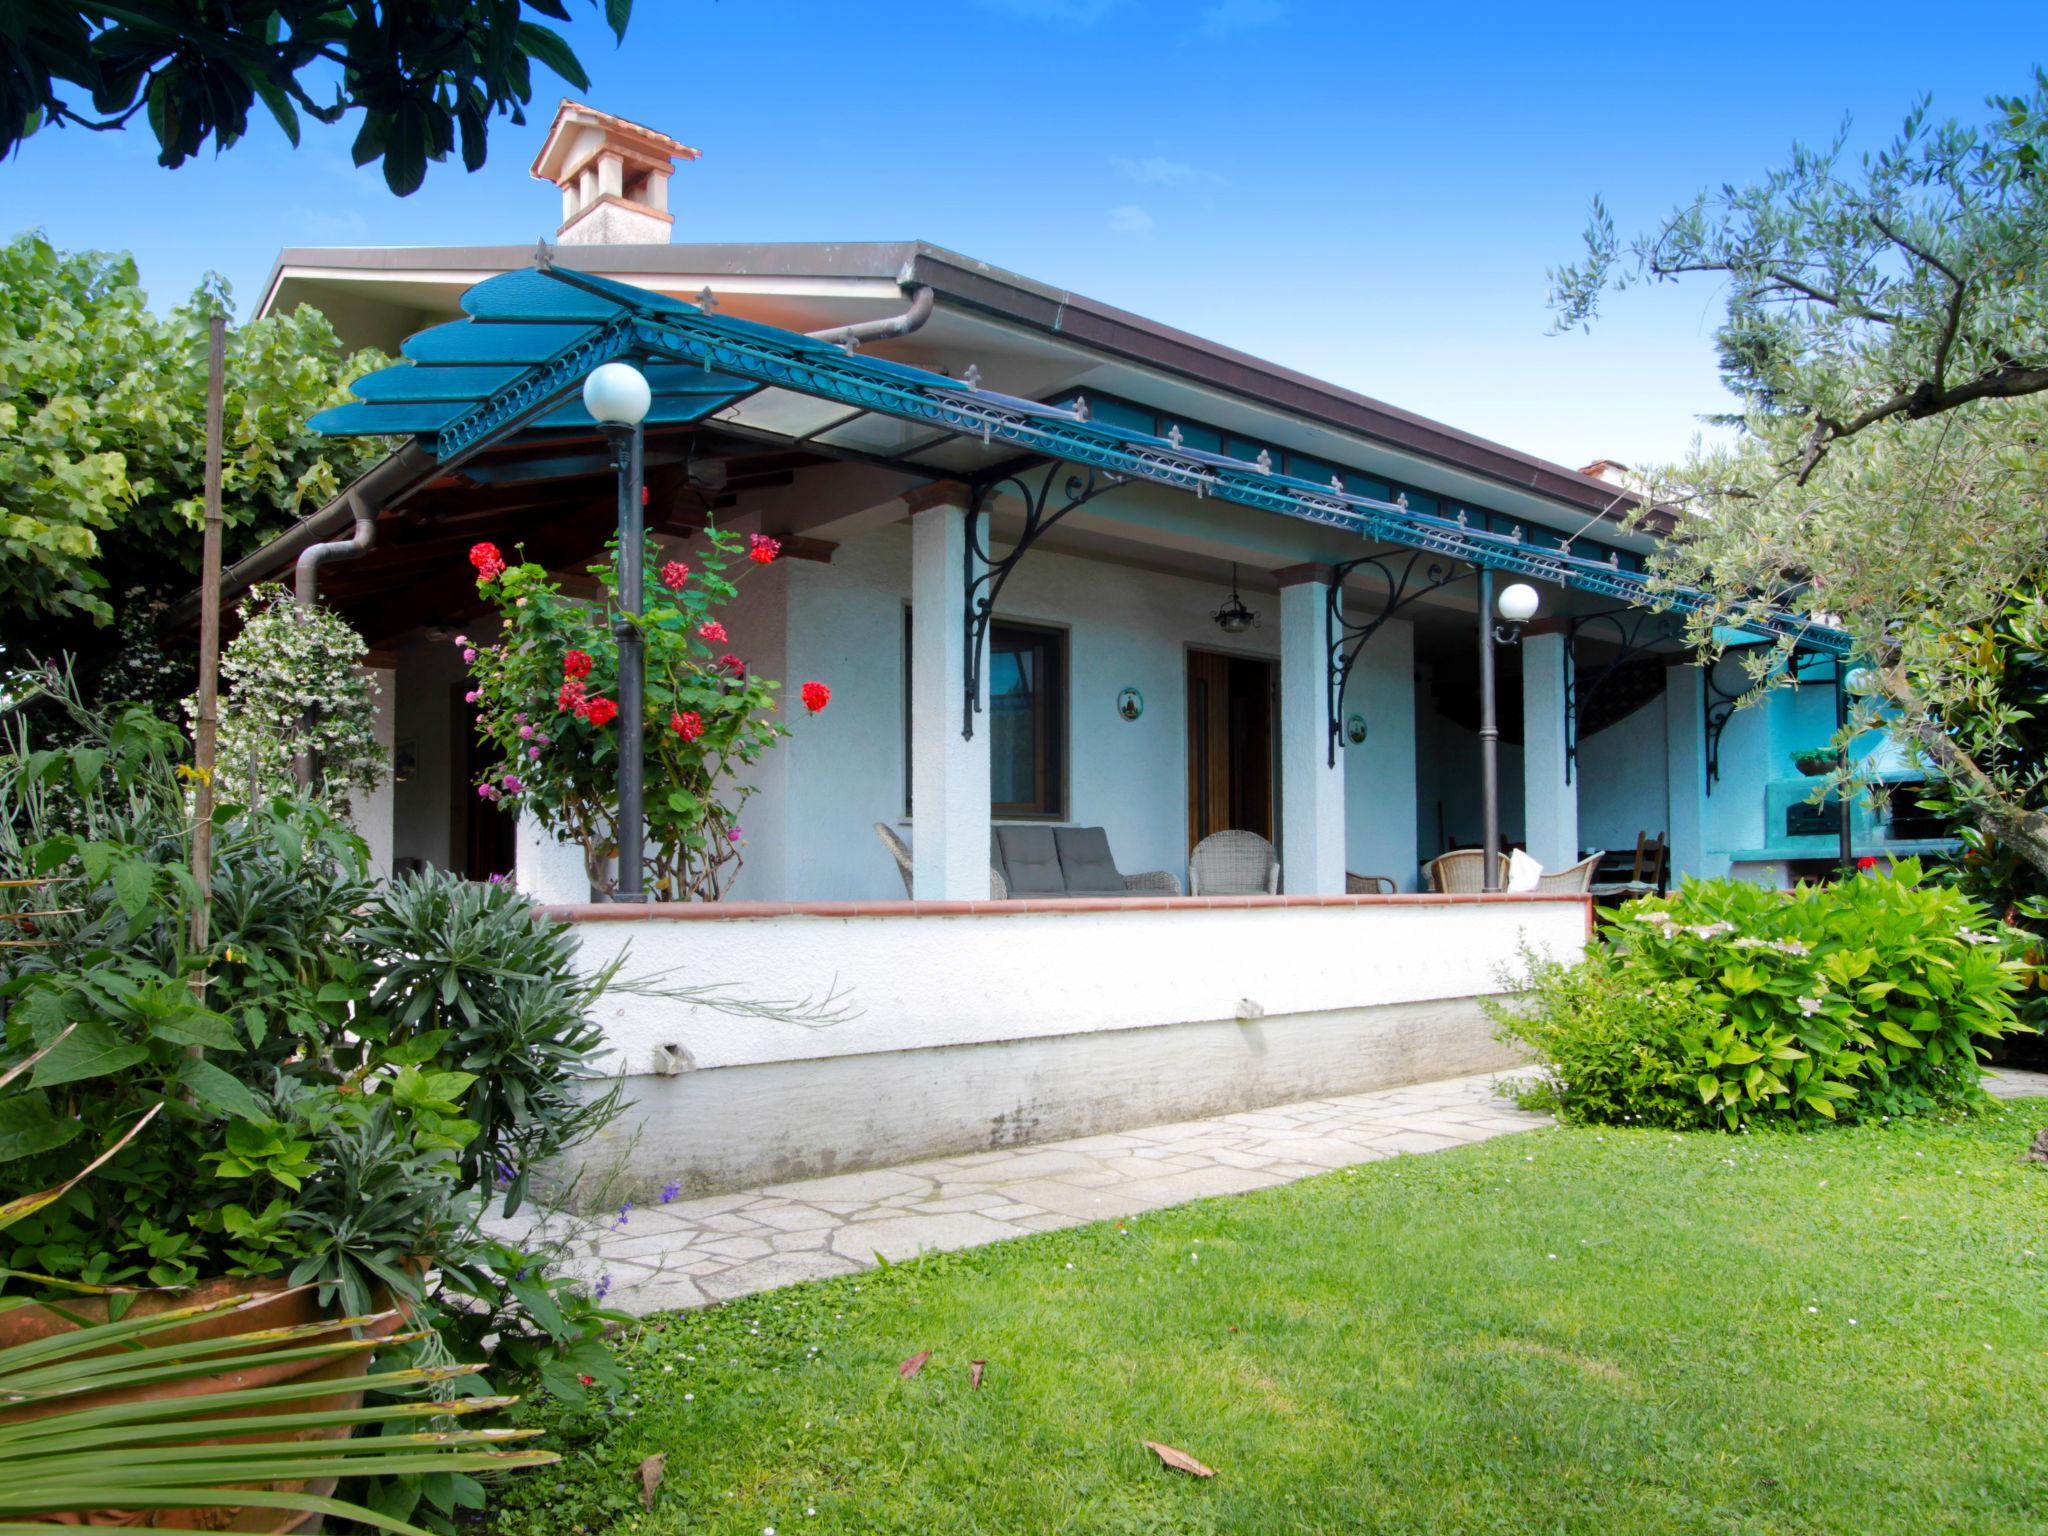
(518, 360)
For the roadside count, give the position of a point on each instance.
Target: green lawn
(1567, 1331)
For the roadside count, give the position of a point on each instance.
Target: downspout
(877, 330)
(306, 574)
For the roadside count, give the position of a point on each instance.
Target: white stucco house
(1341, 723)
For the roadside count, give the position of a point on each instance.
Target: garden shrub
(1729, 1003)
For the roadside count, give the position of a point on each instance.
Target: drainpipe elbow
(306, 573)
(878, 330)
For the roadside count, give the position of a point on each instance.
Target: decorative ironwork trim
(1718, 705)
(1346, 636)
(1635, 630)
(983, 575)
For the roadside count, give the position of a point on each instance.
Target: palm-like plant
(74, 1437)
(70, 1440)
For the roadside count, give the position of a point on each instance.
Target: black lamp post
(1517, 607)
(617, 397)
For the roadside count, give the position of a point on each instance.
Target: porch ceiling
(517, 363)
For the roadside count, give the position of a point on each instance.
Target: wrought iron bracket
(1718, 704)
(1634, 631)
(983, 575)
(1401, 579)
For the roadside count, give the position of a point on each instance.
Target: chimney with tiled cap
(613, 175)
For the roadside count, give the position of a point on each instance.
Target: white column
(1685, 770)
(1311, 787)
(949, 774)
(373, 815)
(1550, 806)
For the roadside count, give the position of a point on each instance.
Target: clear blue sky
(1368, 192)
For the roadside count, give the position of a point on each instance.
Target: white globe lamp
(1518, 603)
(616, 395)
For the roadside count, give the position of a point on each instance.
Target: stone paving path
(2008, 1083)
(691, 1252)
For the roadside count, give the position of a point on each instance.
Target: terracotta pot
(23, 1324)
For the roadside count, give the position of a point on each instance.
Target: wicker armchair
(1368, 885)
(1573, 877)
(900, 852)
(1462, 872)
(1233, 864)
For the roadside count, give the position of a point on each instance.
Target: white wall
(1380, 775)
(1621, 780)
(928, 980)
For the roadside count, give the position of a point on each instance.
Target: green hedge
(1729, 1003)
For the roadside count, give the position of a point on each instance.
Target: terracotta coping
(720, 911)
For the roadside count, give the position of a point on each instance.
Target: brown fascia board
(977, 285)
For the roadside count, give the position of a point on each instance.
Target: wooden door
(1230, 744)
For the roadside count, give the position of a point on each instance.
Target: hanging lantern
(1233, 618)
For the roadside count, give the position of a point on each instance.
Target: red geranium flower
(762, 550)
(713, 631)
(572, 697)
(576, 664)
(601, 712)
(689, 724)
(1866, 862)
(816, 696)
(731, 663)
(490, 565)
(674, 574)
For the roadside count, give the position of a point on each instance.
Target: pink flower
(534, 753)
(543, 738)
(674, 574)
(573, 697)
(762, 550)
(511, 782)
(469, 654)
(525, 731)
(471, 697)
(816, 696)
(713, 631)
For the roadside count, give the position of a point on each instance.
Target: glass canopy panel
(784, 413)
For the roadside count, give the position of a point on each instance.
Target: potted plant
(1816, 762)
(316, 1151)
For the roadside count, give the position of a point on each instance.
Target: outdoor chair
(1646, 873)
(1462, 871)
(1368, 885)
(1573, 877)
(900, 852)
(1032, 862)
(1233, 864)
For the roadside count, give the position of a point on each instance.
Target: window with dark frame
(1026, 720)
(1027, 709)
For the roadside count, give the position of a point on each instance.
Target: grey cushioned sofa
(1035, 862)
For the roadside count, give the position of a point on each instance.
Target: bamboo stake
(209, 649)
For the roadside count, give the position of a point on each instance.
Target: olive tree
(1886, 328)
